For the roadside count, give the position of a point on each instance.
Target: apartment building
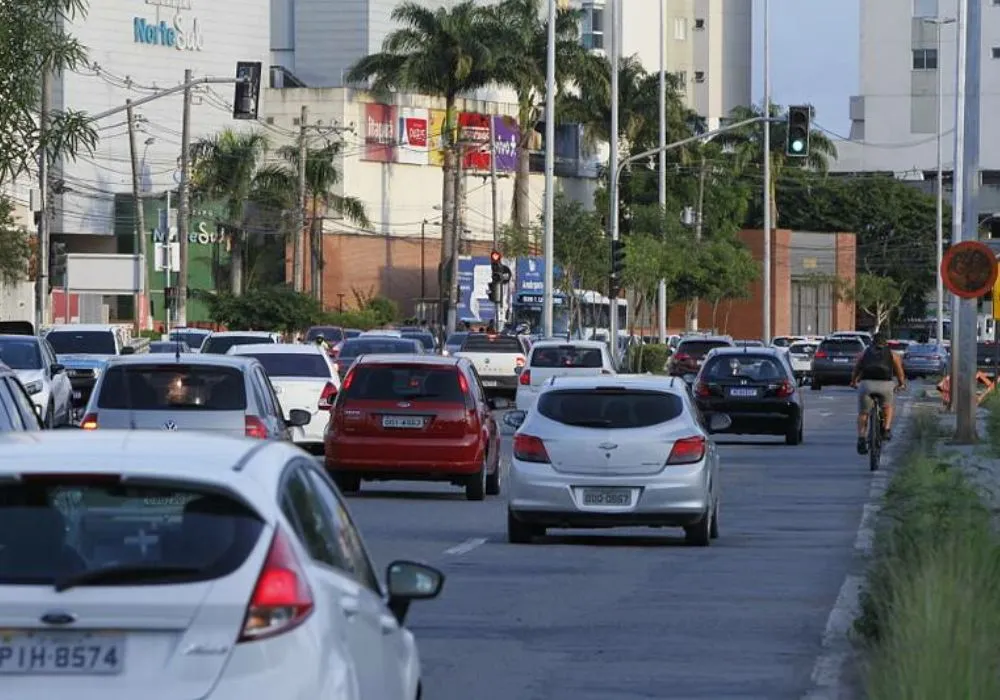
(906, 47)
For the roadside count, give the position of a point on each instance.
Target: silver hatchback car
(614, 451)
(217, 393)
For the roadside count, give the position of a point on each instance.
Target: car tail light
(463, 384)
(525, 378)
(701, 390)
(327, 397)
(682, 357)
(519, 361)
(529, 448)
(820, 354)
(346, 384)
(785, 389)
(687, 451)
(281, 599)
(89, 422)
(255, 428)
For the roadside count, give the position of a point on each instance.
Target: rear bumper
(403, 459)
(833, 374)
(766, 418)
(501, 383)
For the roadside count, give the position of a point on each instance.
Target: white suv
(560, 358)
(139, 565)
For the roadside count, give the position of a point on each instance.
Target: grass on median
(931, 606)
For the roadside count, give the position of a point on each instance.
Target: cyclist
(321, 342)
(878, 372)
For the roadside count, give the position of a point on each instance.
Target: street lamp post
(939, 22)
(767, 174)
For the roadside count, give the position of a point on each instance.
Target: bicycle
(875, 432)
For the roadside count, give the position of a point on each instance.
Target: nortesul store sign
(182, 31)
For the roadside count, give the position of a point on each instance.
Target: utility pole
(493, 193)
(298, 244)
(42, 254)
(698, 223)
(612, 170)
(548, 272)
(456, 246)
(964, 386)
(139, 219)
(958, 181)
(661, 290)
(767, 174)
(184, 205)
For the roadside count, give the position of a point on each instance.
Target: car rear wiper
(125, 574)
(407, 397)
(597, 423)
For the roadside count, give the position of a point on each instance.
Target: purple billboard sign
(506, 133)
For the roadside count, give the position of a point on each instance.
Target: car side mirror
(298, 417)
(408, 581)
(57, 368)
(128, 350)
(718, 422)
(514, 419)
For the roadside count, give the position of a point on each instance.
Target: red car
(412, 418)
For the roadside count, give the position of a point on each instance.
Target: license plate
(489, 382)
(410, 422)
(77, 395)
(843, 360)
(741, 393)
(607, 497)
(69, 653)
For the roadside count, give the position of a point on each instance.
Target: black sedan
(756, 388)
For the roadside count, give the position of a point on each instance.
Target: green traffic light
(798, 146)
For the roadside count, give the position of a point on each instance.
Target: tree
(580, 249)
(877, 296)
(521, 48)
(224, 168)
(277, 184)
(272, 309)
(15, 244)
(35, 43)
(728, 269)
(443, 52)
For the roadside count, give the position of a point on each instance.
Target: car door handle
(388, 624)
(350, 606)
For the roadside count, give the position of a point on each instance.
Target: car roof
(250, 468)
(277, 349)
(14, 336)
(257, 334)
(192, 329)
(401, 358)
(192, 358)
(708, 338)
(82, 327)
(379, 339)
(845, 336)
(652, 382)
(748, 350)
(593, 344)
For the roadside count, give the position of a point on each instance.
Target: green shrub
(644, 358)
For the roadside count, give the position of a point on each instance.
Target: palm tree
(277, 185)
(445, 53)
(224, 168)
(747, 146)
(521, 40)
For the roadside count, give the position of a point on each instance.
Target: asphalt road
(618, 614)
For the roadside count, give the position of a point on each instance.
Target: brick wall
(847, 252)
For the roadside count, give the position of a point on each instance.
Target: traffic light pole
(186, 85)
(42, 253)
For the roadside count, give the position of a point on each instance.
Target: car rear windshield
(79, 531)
(378, 346)
(194, 340)
(220, 344)
(405, 383)
(20, 354)
(173, 387)
(82, 342)
(425, 339)
(164, 346)
(802, 349)
(628, 408)
(924, 349)
(455, 339)
(745, 366)
(293, 364)
(700, 348)
(481, 342)
(851, 346)
(330, 333)
(567, 356)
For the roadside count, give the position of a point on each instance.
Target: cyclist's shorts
(868, 387)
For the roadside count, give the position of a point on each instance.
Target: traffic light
(495, 265)
(495, 292)
(617, 264)
(57, 262)
(246, 98)
(170, 297)
(798, 131)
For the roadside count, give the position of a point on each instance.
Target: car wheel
(793, 436)
(521, 533)
(815, 386)
(493, 481)
(714, 530)
(347, 483)
(475, 487)
(700, 534)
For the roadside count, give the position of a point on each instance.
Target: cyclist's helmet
(320, 339)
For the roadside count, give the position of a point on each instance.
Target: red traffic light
(495, 256)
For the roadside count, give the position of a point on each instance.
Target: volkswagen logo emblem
(170, 425)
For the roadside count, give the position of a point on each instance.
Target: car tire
(475, 487)
(815, 385)
(347, 483)
(714, 530)
(493, 481)
(793, 436)
(521, 533)
(700, 534)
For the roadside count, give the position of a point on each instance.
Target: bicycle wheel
(874, 437)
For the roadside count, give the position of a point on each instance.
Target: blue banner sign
(474, 274)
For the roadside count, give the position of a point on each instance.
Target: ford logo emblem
(58, 618)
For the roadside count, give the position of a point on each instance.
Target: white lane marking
(837, 649)
(826, 414)
(466, 546)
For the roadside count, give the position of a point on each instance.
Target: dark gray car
(834, 360)
(925, 360)
(354, 348)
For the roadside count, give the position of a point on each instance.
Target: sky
(814, 56)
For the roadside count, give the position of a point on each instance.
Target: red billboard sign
(380, 133)
(474, 133)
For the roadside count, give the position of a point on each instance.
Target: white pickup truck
(560, 358)
(497, 358)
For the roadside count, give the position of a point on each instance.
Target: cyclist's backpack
(876, 364)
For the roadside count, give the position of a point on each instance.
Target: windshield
(618, 409)
(220, 344)
(140, 535)
(802, 349)
(82, 342)
(456, 339)
(744, 366)
(567, 356)
(700, 348)
(923, 350)
(379, 346)
(193, 340)
(20, 353)
(173, 387)
(848, 346)
(405, 383)
(532, 316)
(293, 365)
(425, 339)
(331, 334)
(164, 346)
(481, 342)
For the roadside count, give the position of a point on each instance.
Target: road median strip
(930, 605)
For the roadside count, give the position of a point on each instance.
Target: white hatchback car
(140, 565)
(560, 358)
(628, 450)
